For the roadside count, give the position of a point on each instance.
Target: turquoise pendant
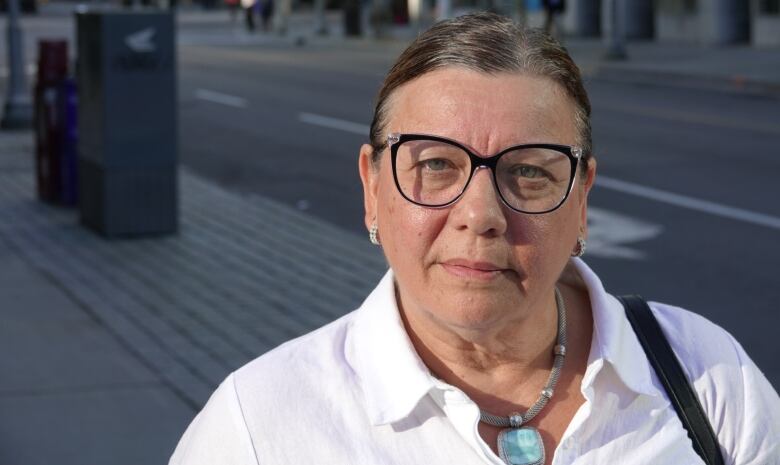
(521, 446)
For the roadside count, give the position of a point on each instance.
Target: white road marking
(218, 97)
(691, 203)
(610, 233)
(334, 123)
(658, 195)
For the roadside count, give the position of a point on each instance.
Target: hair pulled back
(488, 43)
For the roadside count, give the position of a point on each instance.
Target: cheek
(535, 230)
(407, 230)
(543, 239)
(414, 229)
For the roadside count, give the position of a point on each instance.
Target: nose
(480, 209)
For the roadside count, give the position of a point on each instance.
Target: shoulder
(742, 405)
(698, 342)
(298, 363)
(218, 434)
(250, 412)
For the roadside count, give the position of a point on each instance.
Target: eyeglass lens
(435, 173)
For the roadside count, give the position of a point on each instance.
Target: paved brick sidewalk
(242, 276)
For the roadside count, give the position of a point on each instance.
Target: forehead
(484, 111)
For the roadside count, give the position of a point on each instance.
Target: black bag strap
(671, 374)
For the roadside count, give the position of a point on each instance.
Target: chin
(471, 312)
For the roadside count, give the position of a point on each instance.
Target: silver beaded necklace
(522, 445)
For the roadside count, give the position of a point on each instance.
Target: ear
(369, 175)
(590, 179)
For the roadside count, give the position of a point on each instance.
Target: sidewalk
(110, 347)
(739, 69)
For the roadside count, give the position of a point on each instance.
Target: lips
(473, 269)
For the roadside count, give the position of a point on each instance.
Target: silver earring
(579, 251)
(372, 234)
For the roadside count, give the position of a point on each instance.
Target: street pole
(616, 50)
(520, 13)
(17, 112)
(281, 18)
(414, 12)
(443, 9)
(320, 24)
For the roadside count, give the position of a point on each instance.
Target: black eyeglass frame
(394, 140)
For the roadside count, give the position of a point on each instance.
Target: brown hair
(488, 43)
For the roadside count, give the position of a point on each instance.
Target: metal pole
(521, 16)
(443, 9)
(282, 10)
(320, 24)
(615, 50)
(413, 11)
(17, 112)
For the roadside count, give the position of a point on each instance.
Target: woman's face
(475, 264)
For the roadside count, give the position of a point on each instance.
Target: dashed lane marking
(334, 123)
(218, 97)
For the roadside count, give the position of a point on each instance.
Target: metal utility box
(126, 77)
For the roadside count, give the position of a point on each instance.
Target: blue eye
(528, 171)
(436, 164)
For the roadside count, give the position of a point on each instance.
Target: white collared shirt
(356, 392)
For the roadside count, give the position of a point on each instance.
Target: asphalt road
(685, 210)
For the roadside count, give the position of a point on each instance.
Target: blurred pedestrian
(249, 11)
(552, 8)
(266, 12)
(233, 9)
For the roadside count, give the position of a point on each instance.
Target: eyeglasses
(434, 171)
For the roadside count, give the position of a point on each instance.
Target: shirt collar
(394, 378)
(614, 340)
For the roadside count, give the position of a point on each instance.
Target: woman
(486, 342)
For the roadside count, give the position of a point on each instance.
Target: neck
(499, 367)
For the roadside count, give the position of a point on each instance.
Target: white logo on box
(141, 41)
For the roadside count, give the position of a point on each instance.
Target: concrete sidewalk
(108, 348)
(740, 69)
(737, 68)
